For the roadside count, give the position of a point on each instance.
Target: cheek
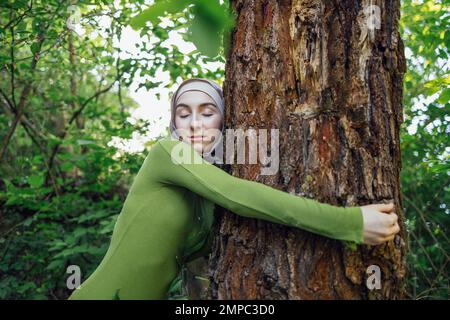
(213, 122)
(180, 122)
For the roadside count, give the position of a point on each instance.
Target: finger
(385, 231)
(389, 220)
(393, 218)
(388, 231)
(396, 228)
(386, 207)
(391, 237)
(392, 231)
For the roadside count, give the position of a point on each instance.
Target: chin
(198, 147)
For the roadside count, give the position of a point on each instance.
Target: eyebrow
(205, 104)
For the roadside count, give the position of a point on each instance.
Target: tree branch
(74, 117)
(23, 98)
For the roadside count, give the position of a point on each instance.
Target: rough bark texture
(333, 87)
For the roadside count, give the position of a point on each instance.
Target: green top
(167, 217)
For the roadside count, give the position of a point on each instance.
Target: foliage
(63, 183)
(425, 146)
(207, 21)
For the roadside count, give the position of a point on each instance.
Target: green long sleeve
(168, 210)
(253, 199)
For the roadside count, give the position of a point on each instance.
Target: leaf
(444, 97)
(437, 84)
(28, 222)
(18, 4)
(54, 264)
(80, 232)
(36, 181)
(157, 10)
(34, 48)
(67, 166)
(351, 245)
(85, 142)
(150, 85)
(205, 37)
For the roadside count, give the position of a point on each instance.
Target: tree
(328, 75)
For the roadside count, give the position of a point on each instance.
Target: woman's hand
(380, 223)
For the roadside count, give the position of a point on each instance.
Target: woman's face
(197, 119)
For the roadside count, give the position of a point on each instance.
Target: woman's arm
(253, 199)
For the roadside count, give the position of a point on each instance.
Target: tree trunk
(330, 79)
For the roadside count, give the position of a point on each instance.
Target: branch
(15, 22)
(7, 101)
(23, 98)
(32, 133)
(27, 89)
(13, 64)
(74, 117)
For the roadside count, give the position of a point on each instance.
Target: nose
(196, 123)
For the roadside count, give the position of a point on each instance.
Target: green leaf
(54, 265)
(34, 48)
(157, 10)
(36, 181)
(18, 4)
(444, 97)
(351, 245)
(85, 142)
(150, 85)
(67, 166)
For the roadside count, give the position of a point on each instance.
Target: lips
(196, 138)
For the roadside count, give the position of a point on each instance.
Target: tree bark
(332, 84)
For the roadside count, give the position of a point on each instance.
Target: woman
(167, 216)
